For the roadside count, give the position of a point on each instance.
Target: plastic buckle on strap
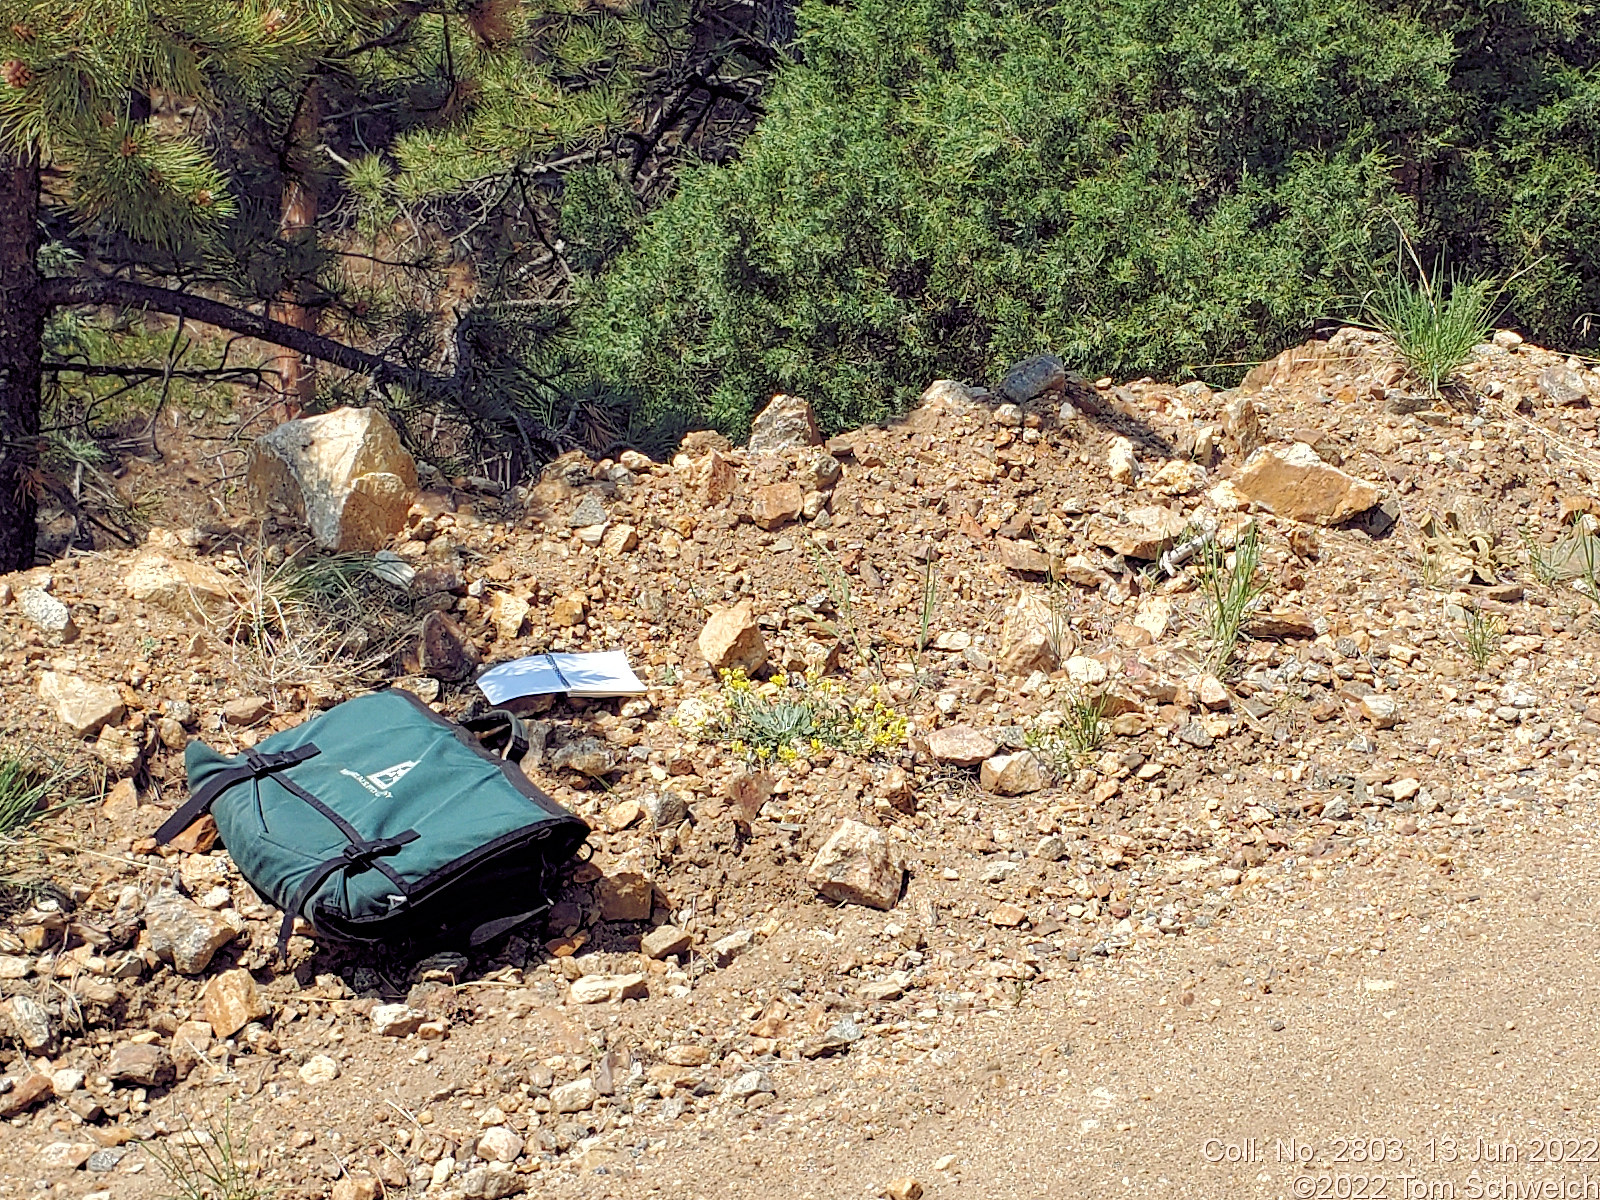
(361, 854)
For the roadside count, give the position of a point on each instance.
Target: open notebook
(596, 676)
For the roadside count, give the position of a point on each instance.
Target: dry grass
(327, 622)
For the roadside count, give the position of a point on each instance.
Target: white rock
(319, 1069)
(1124, 467)
(67, 1080)
(183, 933)
(344, 471)
(1382, 711)
(598, 989)
(46, 613)
(724, 950)
(1050, 848)
(396, 1020)
(748, 1084)
(1176, 477)
(1085, 672)
(499, 1144)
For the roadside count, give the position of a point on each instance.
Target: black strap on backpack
(254, 767)
(357, 856)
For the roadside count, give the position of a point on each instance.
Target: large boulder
(1294, 482)
(787, 423)
(344, 472)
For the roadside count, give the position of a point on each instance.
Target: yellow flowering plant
(781, 722)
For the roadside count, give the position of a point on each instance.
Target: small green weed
(837, 584)
(930, 600)
(1574, 557)
(1082, 731)
(210, 1161)
(31, 787)
(1058, 595)
(1541, 560)
(1231, 586)
(780, 723)
(1481, 635)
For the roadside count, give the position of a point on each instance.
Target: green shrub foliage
(940, 187)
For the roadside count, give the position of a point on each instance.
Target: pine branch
(120, 372)
(383, 371)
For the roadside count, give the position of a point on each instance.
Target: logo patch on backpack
(379, 782)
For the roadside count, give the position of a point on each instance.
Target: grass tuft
(30, 788)
(837, 585)
(1082, 731)
(210, 1160)
(930, 600)
(1230, 585)
(328, 621)
(1481, 635)
(1435, 320)
(1574, 558)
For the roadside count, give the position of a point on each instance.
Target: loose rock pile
(1016, 576)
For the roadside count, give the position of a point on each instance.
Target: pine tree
(941, 187)
(312, 174)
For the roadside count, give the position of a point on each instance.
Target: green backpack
(380, 820)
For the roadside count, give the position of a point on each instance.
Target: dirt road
(1423, 1035)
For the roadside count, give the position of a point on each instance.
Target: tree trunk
(297, 375)
(22, 311)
